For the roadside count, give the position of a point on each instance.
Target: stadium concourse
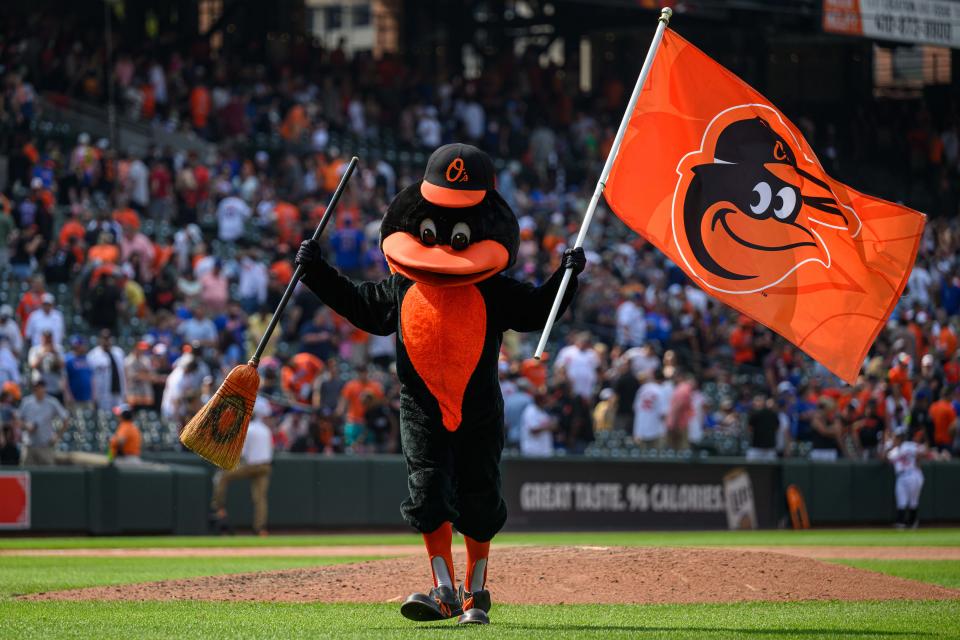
(141, 279)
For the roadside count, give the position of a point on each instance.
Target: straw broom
(218, 430)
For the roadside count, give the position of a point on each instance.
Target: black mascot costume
(446, 239)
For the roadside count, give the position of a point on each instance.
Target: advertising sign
(606, 494)
(935, 22)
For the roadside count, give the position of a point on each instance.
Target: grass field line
(820, 553)
(884, 537)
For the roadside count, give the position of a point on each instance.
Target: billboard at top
(935, 22)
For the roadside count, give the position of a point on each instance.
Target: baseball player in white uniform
(909, 483)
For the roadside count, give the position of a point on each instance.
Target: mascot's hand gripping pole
(664, 20)
(218, 430)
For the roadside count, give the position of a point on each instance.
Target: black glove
(574, 259)
(309, 253)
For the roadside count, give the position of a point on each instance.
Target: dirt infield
(358, 551)
(553, 575)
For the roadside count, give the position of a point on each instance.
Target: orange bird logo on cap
(747, 204)
(456, 172)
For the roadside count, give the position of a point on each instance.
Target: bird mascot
(446, 240)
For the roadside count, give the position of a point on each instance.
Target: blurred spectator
(537, 428)
(681, 413)
(125, 445)
(41, 415)
(579, 362)
(944, 419)
(198, 329)
(256, 459)
(46, 361)
(763, 424)
(650, 411)
(138, 373)
(232, 215)
(104, 303)
(514, 406)
(826, 431)
(920, 420)
(605, 411)
(252, 282)
(869, 429)
(351, 408)
(631, 321)
(9, 450)
(45, 319)
(109, 380)
(215, 288)
(31, 300)
(9, 363)
(79, 386)
(11, 331)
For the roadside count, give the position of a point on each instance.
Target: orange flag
(724, 184)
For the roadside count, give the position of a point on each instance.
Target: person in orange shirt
(295, 124)
(741, 340)
(31, 300)
(105, 250)
(900, 376)
(351, 402)
(331, 171)
(535, 371)
(947, 341)
(288, 223)
(126, 443)
(148, 107)
(297, 378)
(70, 230)
(281, 271)
(200, 106)
(944, 419)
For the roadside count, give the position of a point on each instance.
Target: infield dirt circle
(552, 575)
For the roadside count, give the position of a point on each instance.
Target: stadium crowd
(135, 282)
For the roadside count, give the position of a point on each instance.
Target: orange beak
(440, 265)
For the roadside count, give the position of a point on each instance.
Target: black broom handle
(327, 214)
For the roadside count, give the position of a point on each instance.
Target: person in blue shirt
(347, 244)
(79, 372)
(802, 416)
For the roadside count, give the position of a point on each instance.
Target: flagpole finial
(665, 14)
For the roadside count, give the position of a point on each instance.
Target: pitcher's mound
(552, 575)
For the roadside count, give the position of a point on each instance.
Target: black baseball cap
(457, 176)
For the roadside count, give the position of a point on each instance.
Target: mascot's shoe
(475, 607)
(440, 604)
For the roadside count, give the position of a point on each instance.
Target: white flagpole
(664, 20)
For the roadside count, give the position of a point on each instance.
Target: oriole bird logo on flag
(722, 182)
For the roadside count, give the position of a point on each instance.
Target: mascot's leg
(430, 510)
(482, 511)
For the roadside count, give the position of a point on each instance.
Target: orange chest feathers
(443, 330)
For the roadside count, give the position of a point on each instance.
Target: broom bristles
(218, 430)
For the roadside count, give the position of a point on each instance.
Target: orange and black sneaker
(441, 603)
(475, 606)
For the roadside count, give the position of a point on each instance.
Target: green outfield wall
(172, 495)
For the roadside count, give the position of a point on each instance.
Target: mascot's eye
(787, 198)
(428, 232)
(765, 194)
(460, 237)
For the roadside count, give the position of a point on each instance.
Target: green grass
(943, 572)
(19, 575)
(852, 537)
(806, 620)
(167, 620)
